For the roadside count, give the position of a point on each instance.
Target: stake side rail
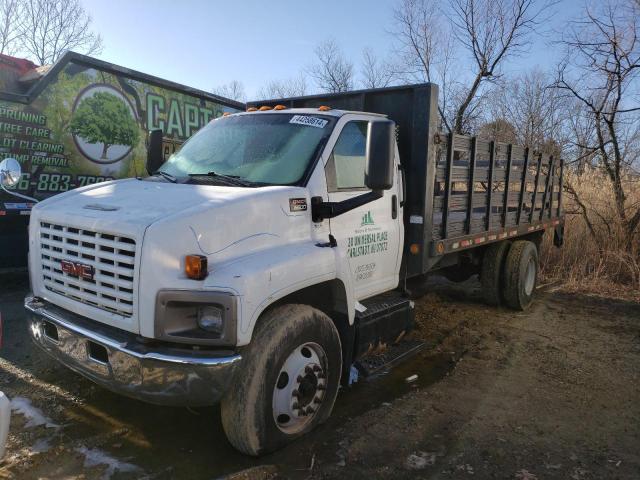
(486, 191)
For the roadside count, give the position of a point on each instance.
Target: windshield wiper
(167, 176)
(231, 179)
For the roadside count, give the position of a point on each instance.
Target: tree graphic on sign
(104, 118)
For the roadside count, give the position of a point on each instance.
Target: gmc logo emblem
(77, 269)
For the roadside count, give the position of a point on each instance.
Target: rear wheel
(288, 381)
(520, 274)
(491, 275)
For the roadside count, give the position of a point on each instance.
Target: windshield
(263, 148)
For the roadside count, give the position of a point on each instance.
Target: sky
(204, 44)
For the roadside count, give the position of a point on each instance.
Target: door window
(346, 166)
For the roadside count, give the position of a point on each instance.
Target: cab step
(390, 356)
(380, 324)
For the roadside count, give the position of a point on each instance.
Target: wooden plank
(505, 206)
(523, 185)
(447, 189)
(535, 191)
(560, 189)
(472, 180)
(492, 161)
(547, 184)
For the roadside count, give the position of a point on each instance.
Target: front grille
(112, 258)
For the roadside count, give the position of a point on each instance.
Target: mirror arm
(19, 195)
(321, 210)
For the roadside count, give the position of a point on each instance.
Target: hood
(130, 206)
(167, 221)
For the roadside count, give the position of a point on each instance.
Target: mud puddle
(165, 442)
(384, 387)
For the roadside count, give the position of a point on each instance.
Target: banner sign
(89, 125)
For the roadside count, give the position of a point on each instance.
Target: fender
(265, 277)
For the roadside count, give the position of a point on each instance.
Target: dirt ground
(550, 393)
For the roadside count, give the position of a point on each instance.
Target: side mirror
(10, 172)
(380, 152)
(155, 158)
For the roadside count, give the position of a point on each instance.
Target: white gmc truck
(273, 251)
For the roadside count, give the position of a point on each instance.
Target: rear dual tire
(491, 275)
(520, 274)
(509, 273)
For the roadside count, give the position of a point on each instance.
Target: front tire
(288, 383)
(520, 274)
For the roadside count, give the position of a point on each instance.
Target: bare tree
(489, 31)
(601, 72)
(283, 88)
(332, 72)
(533, 107)
(492, 30)
(375, 72)
(234, 90)
(426, 48)
(10, 31)
(51, 27)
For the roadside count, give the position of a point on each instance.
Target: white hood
(170, 220)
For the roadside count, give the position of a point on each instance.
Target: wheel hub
(300, 387)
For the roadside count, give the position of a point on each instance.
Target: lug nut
(308, 369)
(295, 393)
(300, 379)
(316, 368)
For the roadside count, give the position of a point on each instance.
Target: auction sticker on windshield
(309, 121)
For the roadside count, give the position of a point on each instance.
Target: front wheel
(288, 380)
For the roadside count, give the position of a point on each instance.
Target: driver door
(369, 236)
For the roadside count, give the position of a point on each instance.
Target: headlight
(210, 319)
(196, 317)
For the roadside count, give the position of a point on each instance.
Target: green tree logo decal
(105, 118)
(367, 219)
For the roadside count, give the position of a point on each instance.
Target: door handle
(394, 206)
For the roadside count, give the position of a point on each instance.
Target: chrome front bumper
(120, 362)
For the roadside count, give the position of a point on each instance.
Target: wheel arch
(331, 298)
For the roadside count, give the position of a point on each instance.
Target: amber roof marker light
(264, 108)
(252, 109)
(279, 107)
(324, 108)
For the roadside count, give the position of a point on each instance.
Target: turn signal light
(414, 248)
(264, 108)
(279, 107)
(324, 108)
(226, 114)
(195, 267)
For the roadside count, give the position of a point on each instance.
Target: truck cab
(169, 276)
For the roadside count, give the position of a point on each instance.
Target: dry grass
(603, 260)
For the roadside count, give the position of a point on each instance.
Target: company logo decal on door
(368, 239)
(367, 219)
